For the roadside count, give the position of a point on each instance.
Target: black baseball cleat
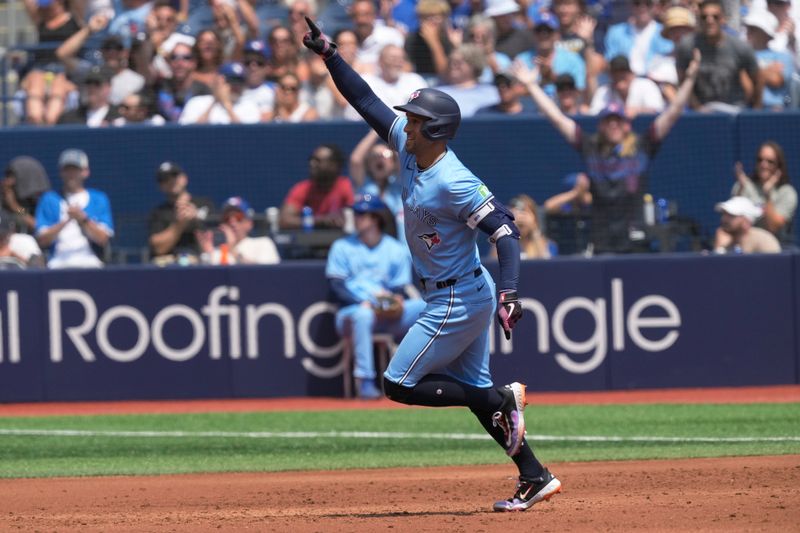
(530, 491)
(510, 418)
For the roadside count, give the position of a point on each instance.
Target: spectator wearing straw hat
(678, 23)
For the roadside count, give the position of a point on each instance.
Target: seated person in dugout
(368, 272)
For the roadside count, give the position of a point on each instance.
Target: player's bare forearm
(565, 125)
(165, 240)
(666, 120)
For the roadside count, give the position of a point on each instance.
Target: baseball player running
(444, 358)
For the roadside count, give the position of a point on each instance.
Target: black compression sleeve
(500, 222)
(340, 291)
(508, 257)
(356, 91)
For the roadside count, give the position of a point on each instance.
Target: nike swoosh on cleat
(481, 287)
(524, 496)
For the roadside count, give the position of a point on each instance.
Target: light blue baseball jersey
(439, 202)
(369, 271)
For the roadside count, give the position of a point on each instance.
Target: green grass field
(271, 441)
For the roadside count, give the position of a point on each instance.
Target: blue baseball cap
(613, 109)
(546, 19)
(368, 203)
(238, 203)
(44, 3)
(232, 71)
(257, 47)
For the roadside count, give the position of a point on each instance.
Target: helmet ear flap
(431, 132)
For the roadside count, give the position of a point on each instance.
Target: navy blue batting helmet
(368, 203)
(439, 108)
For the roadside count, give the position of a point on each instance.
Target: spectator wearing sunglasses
(769, 188)
(289, 107)
(720, 84)
(236, 246)
(257, 89)
(138, 108)
(176, 91)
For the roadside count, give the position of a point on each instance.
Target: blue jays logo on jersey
(430, 239)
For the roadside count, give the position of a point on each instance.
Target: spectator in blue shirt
(368, 272)
(550, 60)
(131, 21)
(77, 224)
(776, 68)
(638, 39)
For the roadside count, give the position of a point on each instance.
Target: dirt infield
(727, 494)
(732, 494)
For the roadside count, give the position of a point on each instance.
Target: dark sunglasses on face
(238, 216)
(289, 88)
(710, 16)
(181, 57)
(256, 62)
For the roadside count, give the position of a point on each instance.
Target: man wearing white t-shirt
(372, 35)
(225, 105)
(392, 83)
(77, 224)
(257, 89)
(636, 95)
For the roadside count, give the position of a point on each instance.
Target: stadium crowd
(113, 63)
(237, 61)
